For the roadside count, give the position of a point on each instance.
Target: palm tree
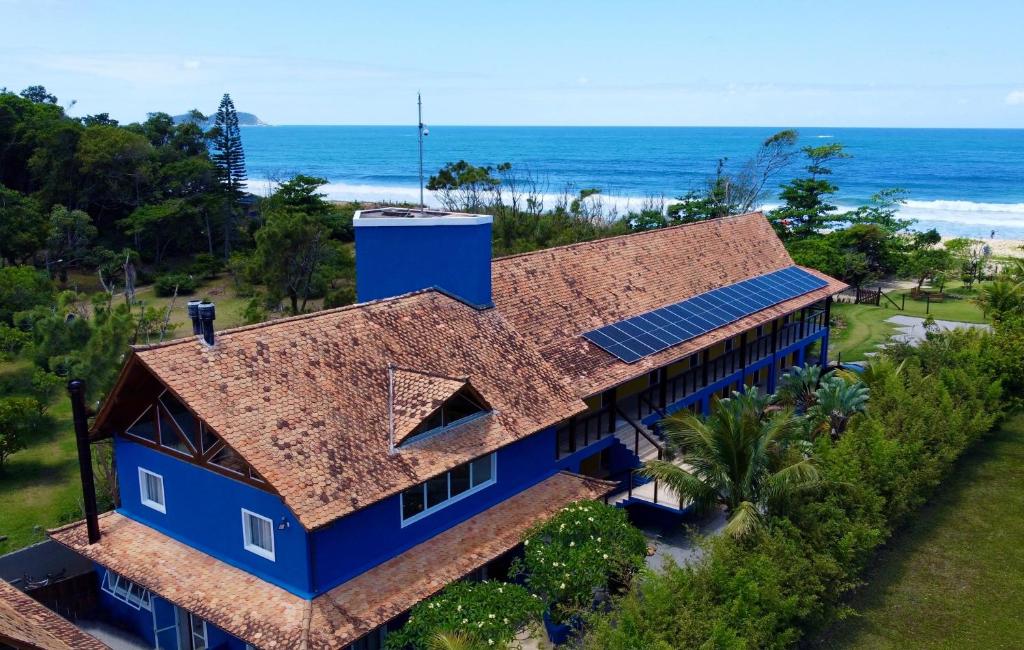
(739, 457)
(453, 641)
(836, 402)
(1001, 298)
(796, 387)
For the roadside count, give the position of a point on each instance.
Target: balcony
(664, 389)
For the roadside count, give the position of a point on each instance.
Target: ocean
(963, 182)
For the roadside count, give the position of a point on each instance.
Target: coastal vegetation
(788, 577)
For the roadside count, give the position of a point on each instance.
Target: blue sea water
(961, 181)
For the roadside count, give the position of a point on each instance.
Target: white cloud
(1015, 98)
(191, 64)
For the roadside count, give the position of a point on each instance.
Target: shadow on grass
(34, 473)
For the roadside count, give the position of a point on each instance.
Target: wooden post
(663, 387)
(803, 322)
(610, 397)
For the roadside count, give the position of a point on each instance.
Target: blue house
(304, 482)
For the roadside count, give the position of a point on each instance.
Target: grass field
(865, 327)
(953, 578)
(39, 486)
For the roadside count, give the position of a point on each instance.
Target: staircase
(645, 445)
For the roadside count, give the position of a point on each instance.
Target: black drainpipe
(193, 313)
(206, 316)
(76, 389)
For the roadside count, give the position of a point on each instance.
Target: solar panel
(635, 338)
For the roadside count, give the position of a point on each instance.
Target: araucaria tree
(229, 158)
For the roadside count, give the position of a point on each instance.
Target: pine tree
(230, 160)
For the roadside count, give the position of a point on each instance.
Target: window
(258, 534)
(459, 408)
(151, 490)
(443, 490)
(126, 591)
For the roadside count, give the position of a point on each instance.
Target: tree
(68, 238)
(39, 95)
(882, 211)
(734, 193)
(836, 401)
(1001, 299)
(229, 157)
(464, 187)
(925, 263)
(21, 289)
(22, 227)
(805, 210)
(18, 416)
(295, 255)
(740, 457)
(797, 387)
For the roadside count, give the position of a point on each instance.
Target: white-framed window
(151, 490)
(128, 592)
(448, 488)
(258, 534)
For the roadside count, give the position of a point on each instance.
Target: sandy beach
(1001, 247)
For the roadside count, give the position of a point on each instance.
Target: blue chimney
(399, 250)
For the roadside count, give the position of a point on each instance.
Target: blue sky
(745, 62)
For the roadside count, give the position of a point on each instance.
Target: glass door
(191, 631)
(165, 625)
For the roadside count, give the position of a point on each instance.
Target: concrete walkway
(910, 329)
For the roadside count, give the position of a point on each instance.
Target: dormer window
(423, 404)
(459, 409)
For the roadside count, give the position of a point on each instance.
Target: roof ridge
(626, 235)
(428, 373)
(300, 317)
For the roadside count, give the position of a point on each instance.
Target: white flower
(605, 556)
(572, 543)
(465, 620)
(562, 586)
(459, 608)
(500, 590)
(526, 543)
(491, 616)
(505, 621)
(490, 641)
(590, 519)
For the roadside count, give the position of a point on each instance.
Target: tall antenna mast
(419, 109)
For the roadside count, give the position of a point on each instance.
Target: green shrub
(165, 284)
(206, 266)
(928, 406)
(340, 296)
(569, 559)
(488, 613)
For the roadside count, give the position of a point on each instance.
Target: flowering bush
(488, 613)
(576, 555)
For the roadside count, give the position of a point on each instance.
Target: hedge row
(769, 590)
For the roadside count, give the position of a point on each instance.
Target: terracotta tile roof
(415, 395)
(305, 400)
(26, 623)
(552, 296)
(270, 617)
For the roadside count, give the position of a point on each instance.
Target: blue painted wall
(392, 260)
(375, 534)
(204, 510)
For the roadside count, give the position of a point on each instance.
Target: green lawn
(39, 486)
(864, 326)
(954, 578)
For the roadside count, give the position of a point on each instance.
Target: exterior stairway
(646, 445)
